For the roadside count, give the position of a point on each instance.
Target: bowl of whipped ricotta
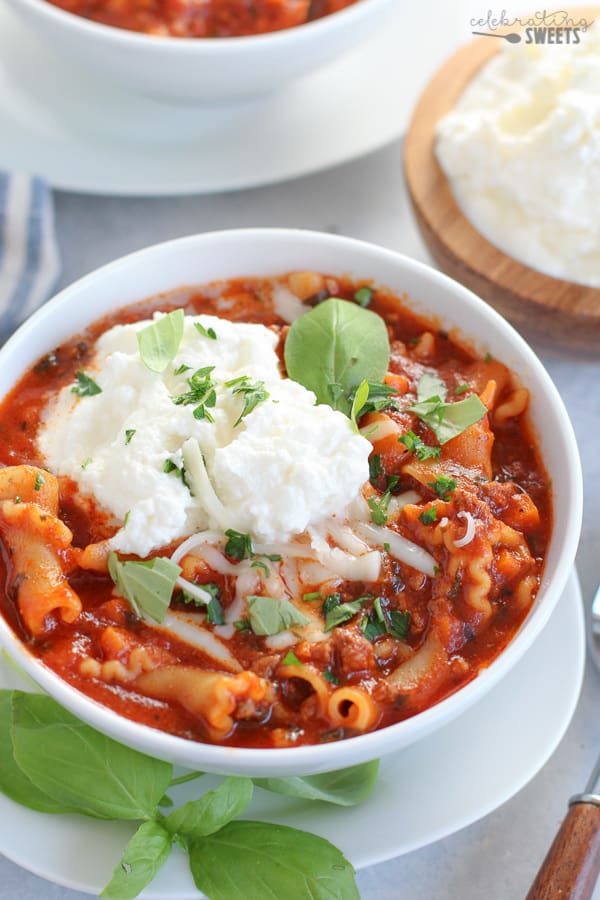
(503, 166)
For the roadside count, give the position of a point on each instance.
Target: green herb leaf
(80, 768)
(259, 564)
(129, 433)
(252, 394)
(181, 369)
(421, 450)
(270, 616)
(238, 545)
(443, 486)
(331, 677)
(290, 659)
(429, 515)
(85, 386)
(378, 397)
(257, 860)
(339, 343)
(214, 612)
(375, 467)
(364, 295)
(446, 420)
(312, 596)
(201, 394)
(345, 787)
(158, 343)
(371, 627)
(360, 398)
(39, 481)
(398, 623)
(205, 332)
(143, 857)
(430, 386)
(337, 613)
(13, 782)
(210, 812)
(147, 586)
(379, 508)
(462, 388)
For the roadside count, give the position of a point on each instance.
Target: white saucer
(419, 798)
(82, 134)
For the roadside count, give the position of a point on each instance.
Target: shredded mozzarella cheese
(469, 533)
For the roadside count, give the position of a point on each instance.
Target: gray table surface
(498, 856)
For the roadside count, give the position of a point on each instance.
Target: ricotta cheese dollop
(521, 149)
(286, 465)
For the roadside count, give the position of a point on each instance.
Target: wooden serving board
(556, 310)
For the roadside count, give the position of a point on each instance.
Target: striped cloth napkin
(29, 258)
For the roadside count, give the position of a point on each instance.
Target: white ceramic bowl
(206, 70)
(228, 254)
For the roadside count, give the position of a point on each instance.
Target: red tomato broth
(207, 19)
(515, 459)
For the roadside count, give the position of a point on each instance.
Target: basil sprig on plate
(335, 347)
(51, 762)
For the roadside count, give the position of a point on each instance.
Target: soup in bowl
(205, 53)
(269, 504)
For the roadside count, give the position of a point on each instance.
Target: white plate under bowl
(82, 134)
(420, 796)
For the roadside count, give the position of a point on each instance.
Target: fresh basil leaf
(255, 860)
(342, 612)
(344, 787)
(270, 616)
(210, 812)
(81, 768)
(13, 782)
(143, 857)
(158, 343)
(339, 343)
(146, 585)
(430, 385)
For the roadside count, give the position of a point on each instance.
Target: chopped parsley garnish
(363, 296)
(336, 612)
(443, 486)
(290, 659)
(39, 481)
(382, 621)
(421, 450)
(331, 677)
(126, 518)
(429, 516)
(214, 612)
(387, 548)
(181, 369)
(375, 467)
(372, 396)
(86, 462)
(462, 388)
(379, 508)
(159, 342)
(86, 386)
(252, 394)
(18, 498)
(242, 625)
(238, 545)
(312, 596)
(487, 358)
(205, 332)
(201, 394)
(211, 588)
(259, 564)
(129, 433)
(172, 468)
